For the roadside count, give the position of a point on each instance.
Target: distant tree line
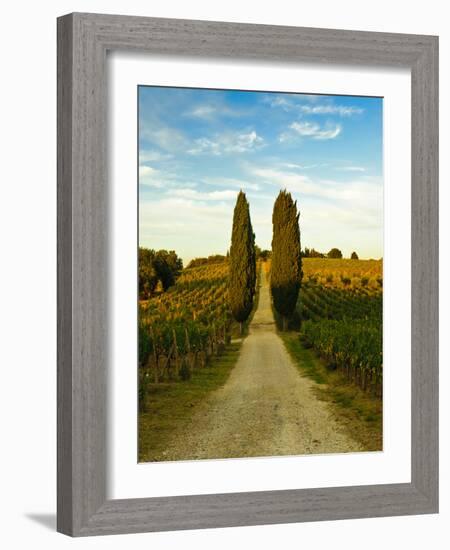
(306, 253)
(333, 253)
(155, 267)
(312, 253)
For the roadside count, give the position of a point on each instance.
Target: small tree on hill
(354, 256)
(286, 270)
(242, 262)
(155, 266)
(168, 267)
(334, 253)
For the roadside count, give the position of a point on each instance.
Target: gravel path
(266, 408)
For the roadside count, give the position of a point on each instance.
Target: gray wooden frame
(83, 41)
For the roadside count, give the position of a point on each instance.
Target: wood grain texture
(425, 272)
(64, 299)
(83, 207)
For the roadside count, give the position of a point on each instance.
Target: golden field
(343, 273)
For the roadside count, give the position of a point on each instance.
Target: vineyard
(188, 333)
(340, 309)
(340, 273)
(183, 327)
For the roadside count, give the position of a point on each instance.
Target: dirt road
(266, 408)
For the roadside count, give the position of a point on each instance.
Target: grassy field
(169, 406)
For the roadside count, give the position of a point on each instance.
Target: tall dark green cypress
(242, 262)
(286, 270)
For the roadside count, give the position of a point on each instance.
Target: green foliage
(354, 344)
(354, 256)
(195, 310)
(286, 270)
(344, 326)
(168, 267)
(264, 255)
(148, 277)
(242, 262)
(157, 266)
(146, 343)
(319, 302)
(334, 253)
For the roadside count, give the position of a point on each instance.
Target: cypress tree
(242, 279)
(286, 271)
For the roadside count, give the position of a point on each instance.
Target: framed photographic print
(247, 274)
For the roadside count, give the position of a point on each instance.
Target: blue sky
(198, 148)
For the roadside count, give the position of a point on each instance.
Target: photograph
(260, 274)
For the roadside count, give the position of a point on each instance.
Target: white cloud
(146, 155)
(340, 110)
(351, 168)
(227, 143)
(313, 108)
(279, 101)
(210, 111)
(361, 191)
(204, 195)
(146, 171)
(288, 180)
(166, 138)
(150, 177)
(205, 145)
(270, 174)
(294, 166)
(245, 142)
(333, 213)
(202, 111)
(232, 182)
(312, 130)
(193, 228)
